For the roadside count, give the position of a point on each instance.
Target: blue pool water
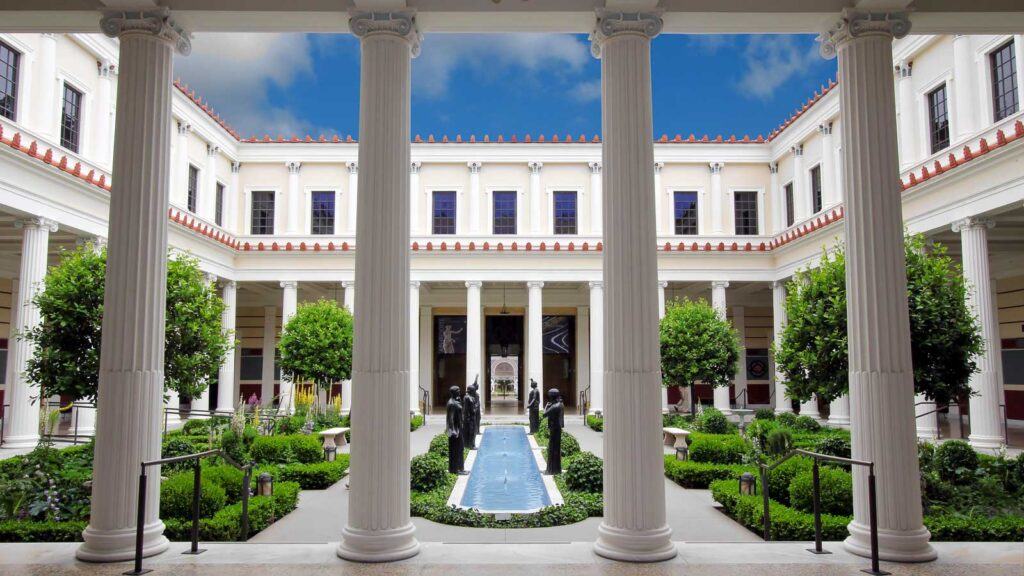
(505, 477)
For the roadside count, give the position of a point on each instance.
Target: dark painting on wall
(450, 334)
(757, 365)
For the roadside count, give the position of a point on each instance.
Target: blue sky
(505, 83)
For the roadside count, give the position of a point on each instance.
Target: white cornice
(204, 126)
(910, 46)
(101, 47)
(824, 110)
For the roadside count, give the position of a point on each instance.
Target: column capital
(414, 167)
(104, 69)
(658, 166)
(293, 167)
(348, 284)
(779, 284)
(716, 167)
(662, 284)
(184, 128)
(156, 23)
(474, 167)
(719, 284)
(210, 278)
(825, 128)
(414, 284)
(353, 167)
(596, 285)
(212, 150)
(474, 284)
(292, 284)
(854, 24)
(401, 24)
(972, 223)
(595, 167)
(610, 23)
(773, 167)
(905, 69)
(534, 167)
(236, 167)
(797, 150)
(229, 284)
(36, 222)
(535, 284)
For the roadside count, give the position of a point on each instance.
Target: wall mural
(451, 334)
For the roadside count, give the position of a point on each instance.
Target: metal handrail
(196, 493)
(3, 423)
(584, 401)
(742, 393)
(425, 400)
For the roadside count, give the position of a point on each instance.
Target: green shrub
(780, 477)
(439, 445)
(176, 497)
(699, 475)
(428, 471)
(806, 424)
(778, 442)
(836, 491)
(237, 447)
(415, 422)
(712, 421)
(39, 531)
(676, 421)
(316, 476)
(570, 446)
(195, 427)
(225, 525)
(306, 449)
(764, 414)
(975, 528)
(227, 477)
(787, 523)
(718, 448)
(177, 447)
(833, 446)
(289, 425)
(787, 419)
(585, 473)
(758, 430)
(271, 450)
(956, 462)
(595, 422)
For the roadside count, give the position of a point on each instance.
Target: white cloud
(588, 91)
(235, 71)
(711, 43)
(770, 61)
(495, 55)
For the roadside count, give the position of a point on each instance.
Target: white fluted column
(414, 346)
(965, 110)
(595, 200)
(828, 156)
(346, 385)
(289, 304)
(782, 403)
(378, 527)
(208, 191)
(179, 170)
(662, 285)
(778, 198)
(908, 134)
(535, 335)
(23, 412)
(474, 197)
(201, 403)
(881, 371)
(227, 389)
(634, 526)
(986, 417)
(172, 407)
(717, 199)
(659, 219)
(596, 346)
(536, 199)
(104, 116)
(353, 194)
(292, 220)
(839, 412)
(739, 322)
(801, 195)
(230, 222)
(474, 342)
(269, 350)
(927, 424)
(718, 287)
(840, 180)
(810, 408)
(46, 103)
(414, 195)
(131, 377)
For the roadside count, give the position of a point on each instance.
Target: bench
(675, 437)
(334, 437)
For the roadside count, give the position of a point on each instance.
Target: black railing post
(872, 506)
(140, 525)
(816, 479)
(767, 512)
(197, 492)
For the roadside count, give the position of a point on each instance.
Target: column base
(378, 545)
(984, 442)
(782, 410)
(119, 545)
(893, 545)
(839, 421)
(928, 434)
(635, 545)
(24, 441)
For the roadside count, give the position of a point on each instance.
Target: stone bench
(675, 437)
(334, 437)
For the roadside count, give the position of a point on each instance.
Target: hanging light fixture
(504, 306)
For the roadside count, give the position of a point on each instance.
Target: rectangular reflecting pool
(505, 477)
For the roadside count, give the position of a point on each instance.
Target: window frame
(433, 195)
(789, 204)
(935, 146)
(758, 210)
(79, 129)
(251, 201)
(994, 82)
(697, 207)
(311, 194)
(220, 192)
(192, 188)
(553, 206)
(16, 71)
(817, 195)
(494, 206)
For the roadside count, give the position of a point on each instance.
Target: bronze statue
(533, 406)
(470, 408)
(454, 431)
(477, 403)
(554, 411)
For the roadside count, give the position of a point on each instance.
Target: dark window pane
(218, 218)
(504, 212)
(746, 213)
(9, 60)
(322, 219)
(1005, 99)
(790, 205)
(193, 187)
(263, 213)
(685, 212)
(816, 189)
(444, 213)
(71, 118)
(938, 118)
(565, 212)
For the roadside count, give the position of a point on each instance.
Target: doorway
(504, 362)
(560, 357)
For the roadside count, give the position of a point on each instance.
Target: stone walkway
(321, 514)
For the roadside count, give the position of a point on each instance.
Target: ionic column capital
(157, 23)
(184, 128)
(212, 150)
(825, 129)
(414, 284)
(474, 167)
(716, 167)
(719, 284)
(353, 167)
(474, 284)
(773, 167)
(534, 167)
(658, 166)
(104, 69)
(972, 223)
(401, 24)
(289, 284)
(905, 69)
(36, 222)
(414, 167)
(228, 284)
(348, 284)
(610, 24)
(778, 284)
(797, 150)
(293, 167)
(662, 284)
(854, 24)
(535, 284)
(210, 278)
(595, 167)
(596, 285)
(236, 167)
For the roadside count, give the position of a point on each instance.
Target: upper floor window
(9, 60)
(745, 204)
(444, 213)
(1004, 81)
(816, 189)
(685, 212)
(71, 118)
(565, 213)
(938, 118)
(504, 212)
(790, 205)
(263, 213)
(322, 218)
(193, 187)
(218, 216)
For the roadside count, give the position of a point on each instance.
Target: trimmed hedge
(779, 478)
(428, 472)
(585, 473)
(975, 528)
(226, 524)
(786, 523)
(836, 491)
(34, 531)
(316, 476)
(415, 422)
(176, 497)
(285, 449)
(718, 448)
(595, 423)
(700, 475)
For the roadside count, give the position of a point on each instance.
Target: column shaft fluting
(414, 346)
(634, 526)
(535, 337)
(474, 342)
(597, 347)
(782, 403)
(721, 393)
(289, 303)
(227, 393)
(346, 385)
(378, 527)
